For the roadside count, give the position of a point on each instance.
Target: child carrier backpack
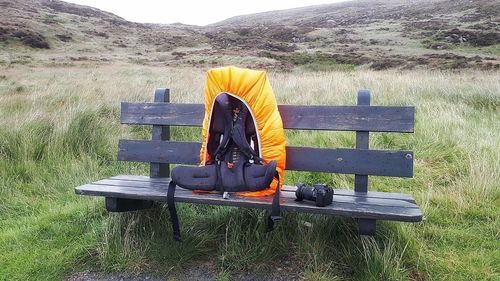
(244, 143)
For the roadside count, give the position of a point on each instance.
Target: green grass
(312, 61)
(62, 129)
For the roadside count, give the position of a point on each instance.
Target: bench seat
(347, 203)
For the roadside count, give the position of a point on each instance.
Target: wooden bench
(132, 192)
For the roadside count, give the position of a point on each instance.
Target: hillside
(443, 34)
(59, 32)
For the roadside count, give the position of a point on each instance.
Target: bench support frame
(365, 226)
(156, 170)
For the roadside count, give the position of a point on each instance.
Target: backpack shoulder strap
(239, 134)
(222, 114)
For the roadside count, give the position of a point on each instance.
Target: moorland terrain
(64, 69)
(380, 34)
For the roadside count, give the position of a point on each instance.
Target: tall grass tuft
(45, 230)
(88, 134)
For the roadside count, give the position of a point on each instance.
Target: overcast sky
(190, 11)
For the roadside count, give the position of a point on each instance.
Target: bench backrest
(361, 118)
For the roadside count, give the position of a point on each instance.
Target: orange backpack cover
(253, 88)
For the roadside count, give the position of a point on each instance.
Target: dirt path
(203, 272)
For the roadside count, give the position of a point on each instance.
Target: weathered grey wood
(367, 226)
(368, 208)
(159, 132)
(289, 194)
(178, 114)
(159, 151)
(289, 188)
(362, 142)
(311, 117)
(114, 204)
(158, 170)
(348, 118)
(339, 160)
(350, 161)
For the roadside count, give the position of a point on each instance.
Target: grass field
(59, 128)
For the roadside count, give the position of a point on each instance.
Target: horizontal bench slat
(351, 206)
(285, 193)
(311, 117)
(340, 192)
(339, 160)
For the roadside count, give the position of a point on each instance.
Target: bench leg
(126, 205)
(367, 226)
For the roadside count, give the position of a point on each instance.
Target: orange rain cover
(252, 87)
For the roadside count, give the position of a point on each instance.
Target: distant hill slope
(79, 33)
(444, 34)
(368, 11)
(388, 33)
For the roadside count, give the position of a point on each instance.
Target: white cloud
(190, 11)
